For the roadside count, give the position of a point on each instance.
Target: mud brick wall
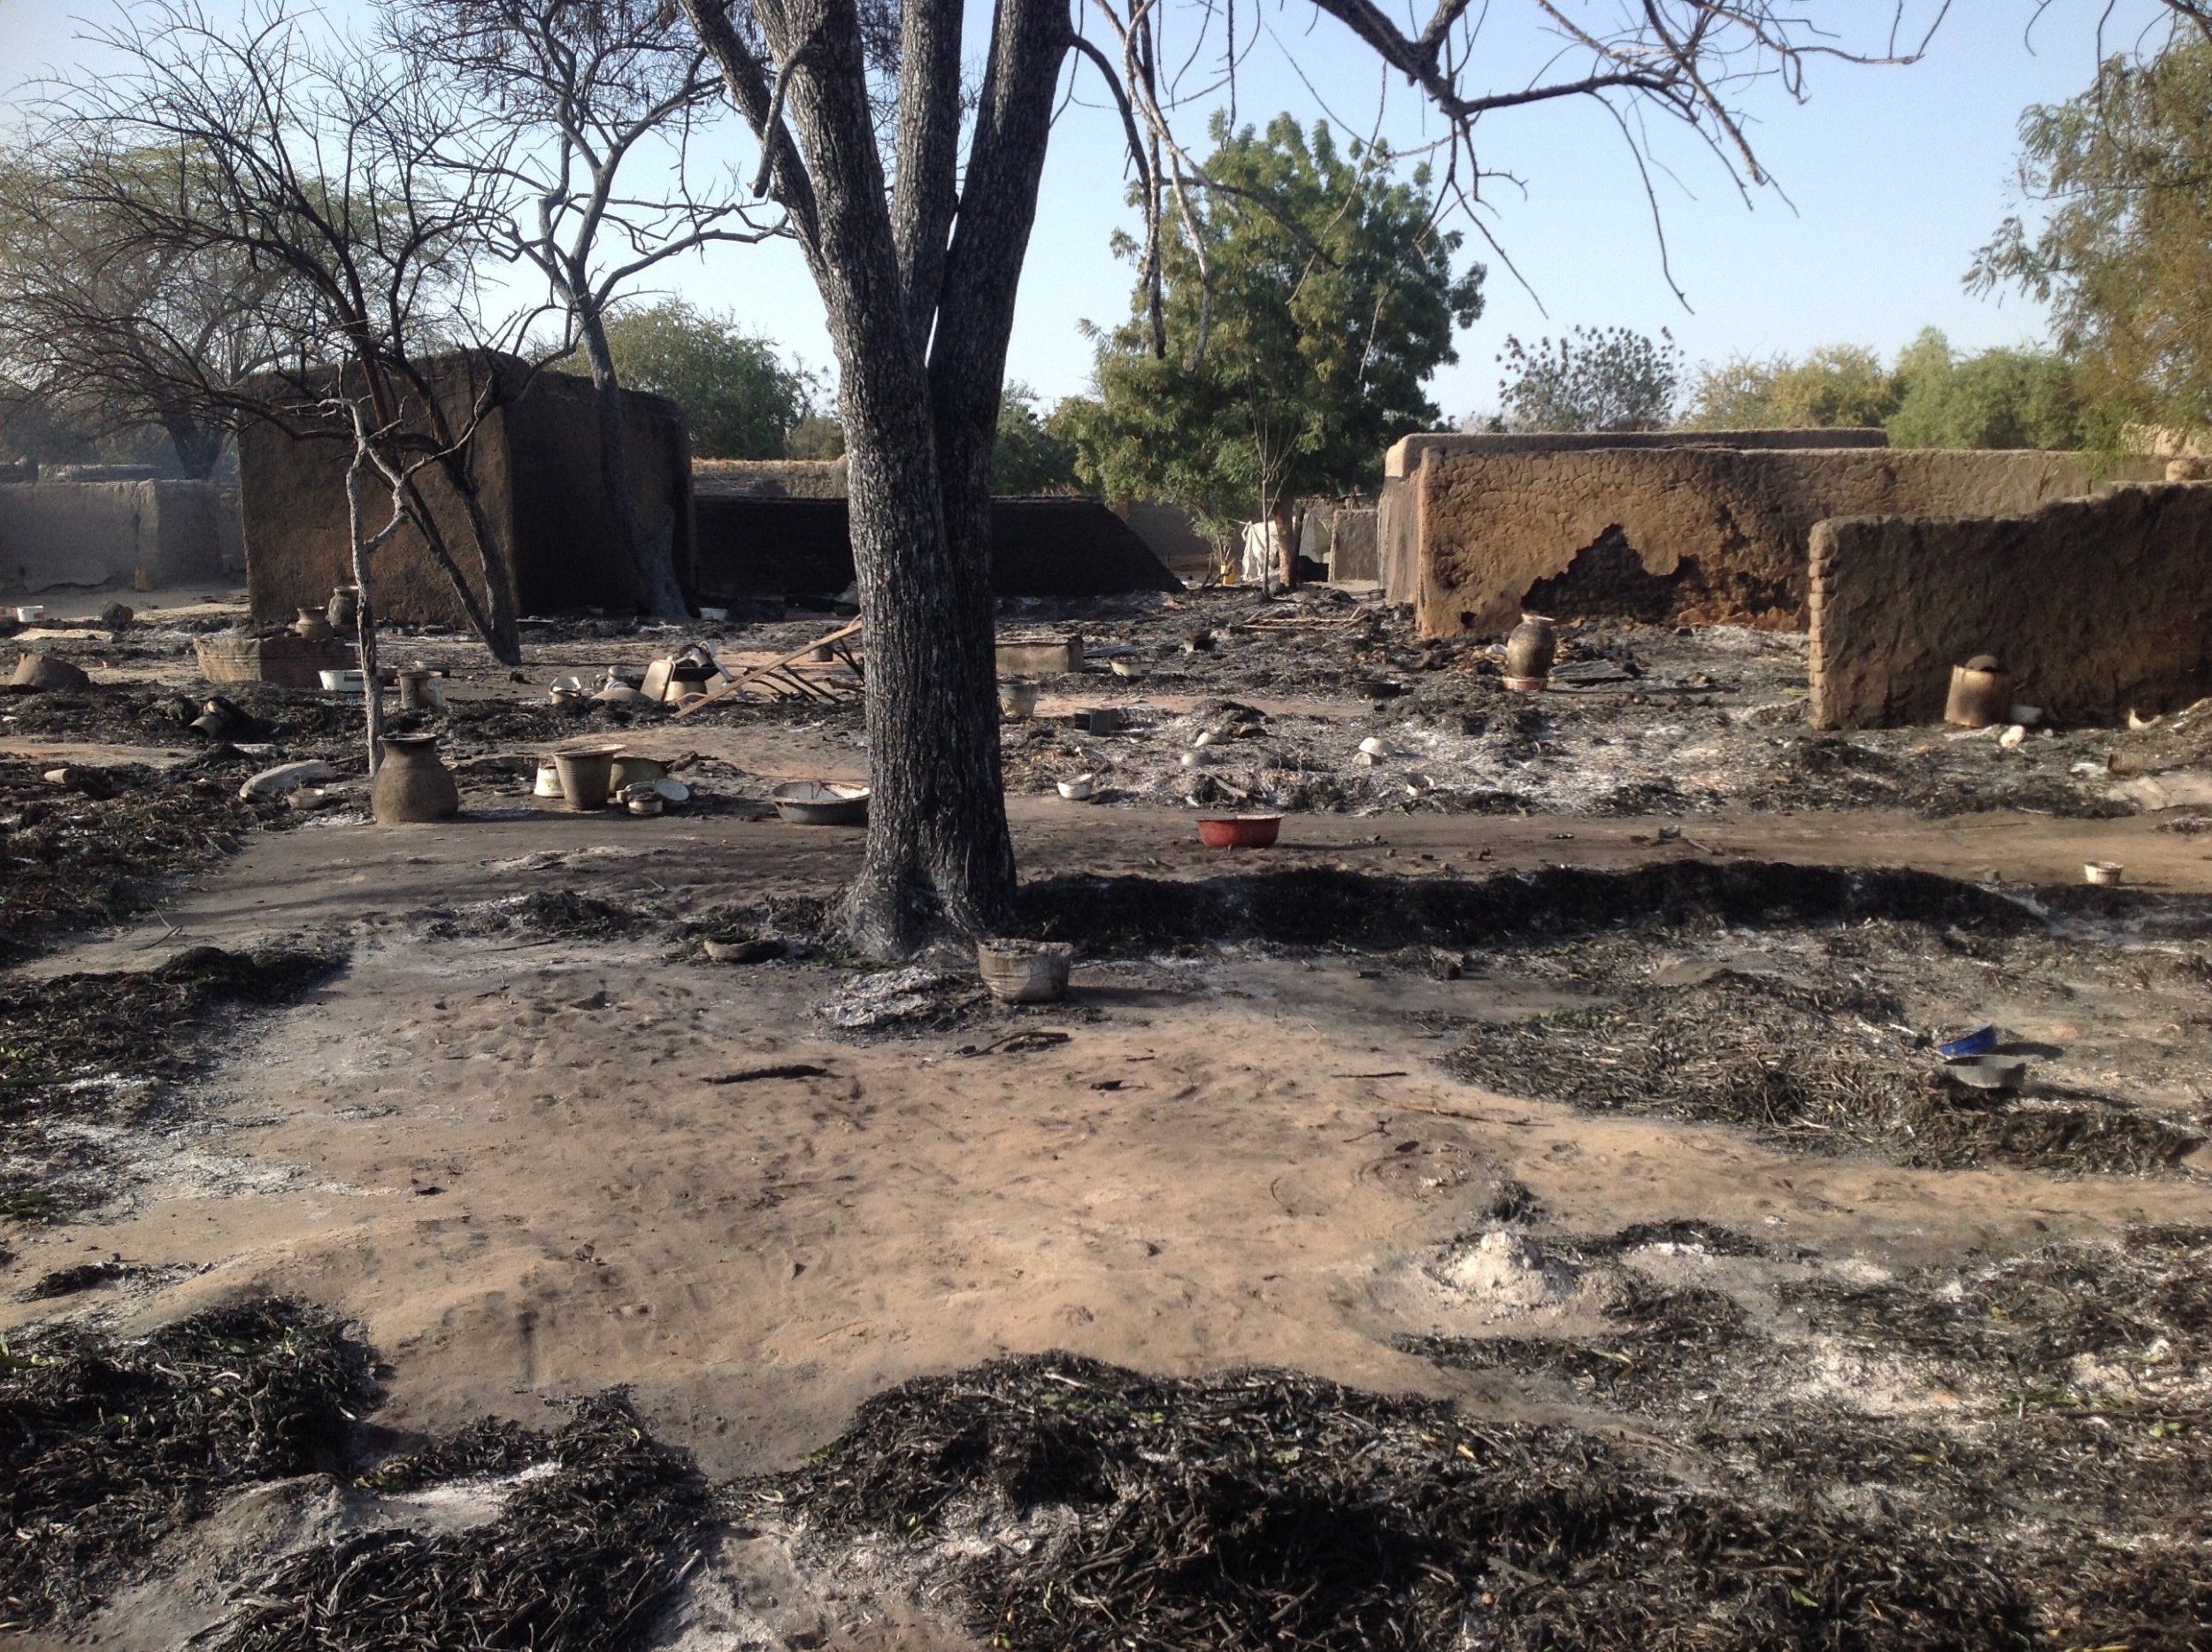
(2097, 606)
(751, 545)
(1352, 546)
(96, 534)
(770, 479)
(1171, 535)
(1398, 529)
(1689, 534)
(536, 461)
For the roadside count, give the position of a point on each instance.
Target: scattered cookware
(1238, 831)
(1025, 971)
(586, 775)
(821, 803)
(1981, 1042)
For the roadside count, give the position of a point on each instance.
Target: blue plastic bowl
(1981, 1042)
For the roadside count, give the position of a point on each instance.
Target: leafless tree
(102, 330)
(317, 167)
(919, 271)
(575, 103)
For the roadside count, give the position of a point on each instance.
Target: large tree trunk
(938, 847)
(652, 552)
(198, 447)
(919, 426)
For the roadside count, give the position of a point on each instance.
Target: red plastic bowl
(1238, 831)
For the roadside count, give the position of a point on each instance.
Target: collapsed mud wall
(770, 479)
(763, 546)
(96, 534)
(1398, 524)
(2096, 606)
(1171, 535)
(1689, 534)
(536, 463)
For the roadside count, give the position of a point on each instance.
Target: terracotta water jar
(311, 626)
(412, 786)
(1529, 649)
(344, 611)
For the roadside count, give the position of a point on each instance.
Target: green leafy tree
(816, 436)
(1837, 386)
(1592, 379)
(1295, 327)
(1997, 398)
(739, 398)
(109, 337)
(1034, 455)
(2124, 253)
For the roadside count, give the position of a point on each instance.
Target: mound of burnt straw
(107, 1448)
(1067, 1503)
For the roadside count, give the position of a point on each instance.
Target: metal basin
(821, 803)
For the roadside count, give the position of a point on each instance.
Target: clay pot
(585, 777)
(1981, 694)
(44, 671)
(1529, 649)
(412, 785)
(344, 611)
(311, 627)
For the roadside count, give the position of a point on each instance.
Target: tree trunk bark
(364, 619)
(198, 447)
(938, 847)
(919, 426)
(651, 552)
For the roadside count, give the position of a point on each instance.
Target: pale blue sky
(1894, 177)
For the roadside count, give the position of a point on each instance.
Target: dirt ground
(1527, 1061)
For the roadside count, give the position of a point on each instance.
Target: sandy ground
(509, 1161)
(510, 1157)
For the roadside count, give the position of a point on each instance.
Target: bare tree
(104, 331)
(575, 99)
(918, 269)
(319, 167)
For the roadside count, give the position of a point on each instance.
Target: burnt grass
(1268, 1509)
(1821, 1068)
(1317, 907)
(105, 1448)
(581, 1560)
(2075, 1451)
(1824, 1065)
(110, 1048)
(70, 859)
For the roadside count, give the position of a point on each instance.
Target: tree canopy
(1931, 396)
(738, 397)
(1294, 334)
(1035, 454)
(1590, 379)
(1835, 385)
(2124, 254)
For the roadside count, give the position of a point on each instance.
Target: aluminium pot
(1025, 971)
(585, 776)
